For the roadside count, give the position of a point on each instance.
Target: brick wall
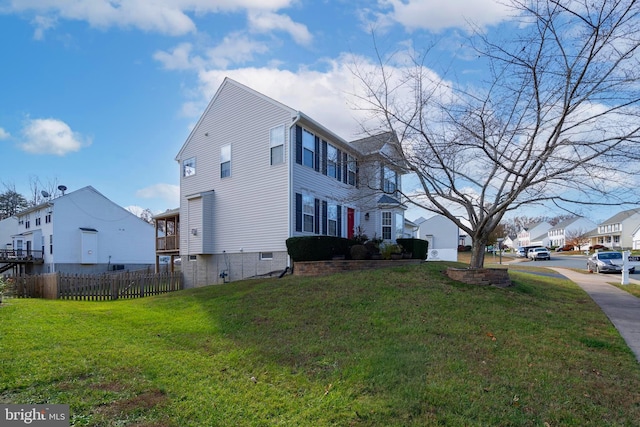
(319, 268)
(481, 276)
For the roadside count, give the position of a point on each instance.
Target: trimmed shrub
(417, 247)
(316, 248)
(359, 252)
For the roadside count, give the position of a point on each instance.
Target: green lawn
(398, 347)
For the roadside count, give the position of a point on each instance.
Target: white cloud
(323, 95)
(163, 16)
(179, 58)
(235, 48)
(51, 136)
(4, 134)
(437, 15)
(168, 192)
(42, 23)
(264, 22)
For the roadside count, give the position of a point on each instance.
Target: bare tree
(577, 238)
(555, 121)
(39, 192)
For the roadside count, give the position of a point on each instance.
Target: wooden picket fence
(96, 287)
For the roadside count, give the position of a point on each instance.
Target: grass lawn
(397, 347)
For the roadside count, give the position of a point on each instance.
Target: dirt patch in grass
(148, 400)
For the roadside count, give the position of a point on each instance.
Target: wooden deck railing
(20, 255)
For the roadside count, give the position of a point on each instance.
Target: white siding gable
(249, 209)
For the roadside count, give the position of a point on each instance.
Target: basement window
(266, 256)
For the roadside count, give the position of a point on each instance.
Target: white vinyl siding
(241, 216)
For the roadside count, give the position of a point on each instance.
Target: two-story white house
(81, 232)
(255, 172)
(569, 229)
(617, 231)
(534, 234)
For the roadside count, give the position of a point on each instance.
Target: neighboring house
(255, 172)
(534, 234)
(8, 227)
(167, 226)
(410, 229)
(81, 232)
(617, 232)
(560, 234)
(636, 239)
(510, 242)
(442, 235)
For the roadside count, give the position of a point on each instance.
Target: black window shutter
(325, 213)
(298, 145)
(382, 177)
(345, 168)
(317, 216)
(298, 212)
(339, 221)
(357, 174)
(317, 154)
(339, 165)
(324, 157)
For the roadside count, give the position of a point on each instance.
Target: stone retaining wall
(319, 268)
(481, 276)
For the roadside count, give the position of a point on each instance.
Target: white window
(225, 161)
(189, 167)
(389, 180)
(332, 220)
(332, 161)
(386, 225)
(351, 170)
(308, 213)
(308, 149)
(276, 144)
(265, 256)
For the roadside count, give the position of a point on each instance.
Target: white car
(539, 253)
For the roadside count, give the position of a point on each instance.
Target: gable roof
(378, 144)
(296, 115)
(621, 216)
(230, 82)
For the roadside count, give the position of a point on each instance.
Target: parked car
(599, 247)
(607, 262)
(520, 252)
(565, 248)
(539, 253)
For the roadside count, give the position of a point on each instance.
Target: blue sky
(105, 92)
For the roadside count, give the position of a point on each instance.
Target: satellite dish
(62, 188)
(45, 194)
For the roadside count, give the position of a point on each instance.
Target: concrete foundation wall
(221, 268)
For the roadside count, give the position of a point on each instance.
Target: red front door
(350, 222)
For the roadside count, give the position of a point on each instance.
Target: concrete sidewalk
(622, 308)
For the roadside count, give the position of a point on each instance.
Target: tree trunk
(477, 253)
